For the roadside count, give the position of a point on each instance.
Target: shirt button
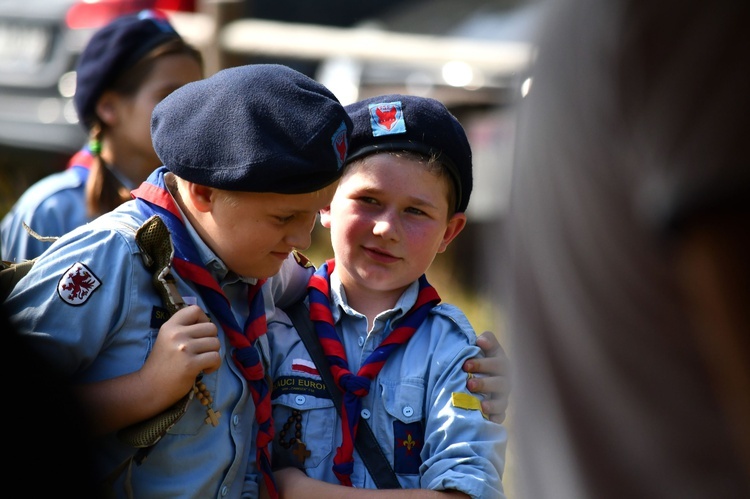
(224, 490)
(365, 414)
(235, 420)
(408, 411)
(299, 399)
(360, 341)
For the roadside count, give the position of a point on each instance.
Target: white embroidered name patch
(77, 284)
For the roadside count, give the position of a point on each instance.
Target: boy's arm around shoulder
(463, 449)
(492, 368)
(493, 376)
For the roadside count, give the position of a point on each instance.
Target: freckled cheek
(421, 238)
(345, 238)
(359, 226)
(339, 233)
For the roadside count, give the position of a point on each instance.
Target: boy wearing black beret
(250, 156)
(396, 353)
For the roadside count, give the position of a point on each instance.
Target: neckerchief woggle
(357, 386)
(153, 198)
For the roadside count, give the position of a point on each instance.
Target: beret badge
(387, 118)
(340, 144)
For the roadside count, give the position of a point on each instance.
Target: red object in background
(95, 14)
(184, 5)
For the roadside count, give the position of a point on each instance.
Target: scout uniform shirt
(93, 311)
(52, 206)
(418, 406)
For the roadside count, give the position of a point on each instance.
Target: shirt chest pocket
(403, 428)
(303, 413)
(403, 399)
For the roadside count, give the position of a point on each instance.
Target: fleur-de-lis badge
(409, 443)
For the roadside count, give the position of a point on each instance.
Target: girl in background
(127, 67)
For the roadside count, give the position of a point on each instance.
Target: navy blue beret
(253, 128)
(400, 122)
(111, 51)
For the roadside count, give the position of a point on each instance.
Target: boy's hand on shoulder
(494, 383)
(187, 344)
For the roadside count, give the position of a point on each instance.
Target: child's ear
(201, 196)
(325, 217)
(455, 225)
(107, 108)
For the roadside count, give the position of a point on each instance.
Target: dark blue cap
(400, 122)
(111, 51)
(254, 128)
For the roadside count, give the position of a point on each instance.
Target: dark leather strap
(367, 446)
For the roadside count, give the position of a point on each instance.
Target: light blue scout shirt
(108, 329)
(52, 206)
(430, 441)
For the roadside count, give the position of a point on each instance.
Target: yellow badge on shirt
(467, 401)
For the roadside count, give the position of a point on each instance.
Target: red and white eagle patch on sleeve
(77, 284)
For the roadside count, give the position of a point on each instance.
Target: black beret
(400, 122)
(111, 51)
(253, 128)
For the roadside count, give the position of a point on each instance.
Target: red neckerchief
(357, 386)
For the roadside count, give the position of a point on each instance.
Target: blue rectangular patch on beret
(387, 118)
(408, 440)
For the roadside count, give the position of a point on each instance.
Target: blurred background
(470, 54)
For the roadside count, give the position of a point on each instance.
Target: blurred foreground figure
(629, 274)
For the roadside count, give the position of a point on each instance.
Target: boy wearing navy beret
(396, 353)
(250, 156)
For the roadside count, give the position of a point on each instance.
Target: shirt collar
(340, 306)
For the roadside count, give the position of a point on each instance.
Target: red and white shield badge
(77, 284)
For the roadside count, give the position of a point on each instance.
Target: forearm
(293, 483)
(187, 345)
(119, 402)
